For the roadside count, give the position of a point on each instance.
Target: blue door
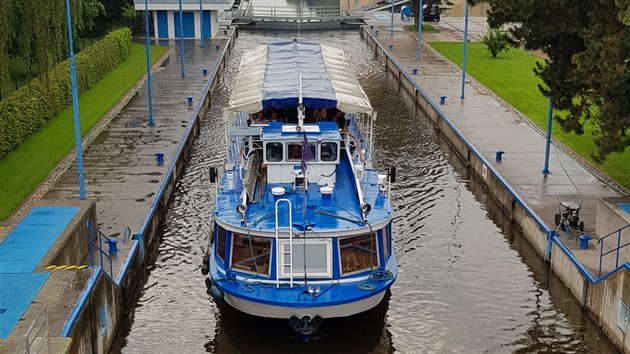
(206, 25)
(162, 20)
(189, 24)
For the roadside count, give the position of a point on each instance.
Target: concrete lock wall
(107, 300)
(601, 299)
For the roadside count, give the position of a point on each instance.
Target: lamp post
(465, 51)
(391, 22)
(545, 170)
(149, 86)
(181, 35)
(75, 106)
(420, 14)
(201, 22)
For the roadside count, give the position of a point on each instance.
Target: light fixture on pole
(149, 85)
(181, 35)
(465, 51)
(545, 170)
(75, 106)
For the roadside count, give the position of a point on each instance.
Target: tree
(496, 41)
(587, 44)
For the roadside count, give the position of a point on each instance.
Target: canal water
(468, 282)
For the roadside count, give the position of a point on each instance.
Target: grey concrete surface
(491, 124)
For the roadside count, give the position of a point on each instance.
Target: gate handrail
(616, 249)
(99, 247)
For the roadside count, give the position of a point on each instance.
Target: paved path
(492, 125)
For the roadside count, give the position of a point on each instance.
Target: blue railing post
(420, 14)
(181, 35)
(601, 255)
(75, 105)
(90, 236)
(618, 246)
(465, 51)
(201, 22)
(149, 85)
(548, 141)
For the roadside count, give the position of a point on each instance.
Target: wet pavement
(491, 125)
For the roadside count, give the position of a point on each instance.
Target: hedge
(28, 108)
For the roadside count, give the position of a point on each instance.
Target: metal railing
(300, 13)
(37, 338)
(98, 245)
(183, 2)
(615, 250)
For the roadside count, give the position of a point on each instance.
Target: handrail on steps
(619, 246)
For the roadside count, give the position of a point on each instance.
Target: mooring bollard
(159, 157)
(499, 156)
(415, 71)
(190, 101)
(204, 71)
(584, 241)
(376, 33)
(113, 246)
(391, 47)
(218, 47)
(442, 100)
(225, 32)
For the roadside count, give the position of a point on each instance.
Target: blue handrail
(616, 250)
(99, 246)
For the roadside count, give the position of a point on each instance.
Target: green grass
(425, 29)
(511, 76)
(26, 167)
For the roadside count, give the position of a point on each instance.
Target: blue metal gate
(162, 24)
(189, 24)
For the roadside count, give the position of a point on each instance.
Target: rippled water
(468, 282)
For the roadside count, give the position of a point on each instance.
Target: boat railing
(280, 252)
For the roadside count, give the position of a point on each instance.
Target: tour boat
(302, 221)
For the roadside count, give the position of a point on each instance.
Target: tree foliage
(587, 44)
(36, 30)
(496, 41)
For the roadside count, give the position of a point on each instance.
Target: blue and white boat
(302, 222)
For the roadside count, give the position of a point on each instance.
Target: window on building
(329, 151)
(622, 316)
(220, 236)
(274, 152)
(358, 253)
(251, 254)
(318, 258)
(295, 151)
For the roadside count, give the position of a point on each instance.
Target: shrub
(28, 108)
(496, 41)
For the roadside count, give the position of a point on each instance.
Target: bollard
(204, 71)
(371, 27)
(442, 100)
(499, 156)
(391, 47)
(415, 71)
(584, 241)
(218, 47)
(190, 101)
(159, 157)
(225, 32)
(376, 33)
(113, 246)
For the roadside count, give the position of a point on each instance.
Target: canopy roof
(269, 77)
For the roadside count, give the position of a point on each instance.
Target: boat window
(220, 236)
(329, 151)
(295, 151)
(318, 256)
(251, 254)
(358, 253)
(386, 234)
(274, 152)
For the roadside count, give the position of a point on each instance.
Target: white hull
(272, 311)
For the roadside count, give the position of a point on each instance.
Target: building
(165, 14)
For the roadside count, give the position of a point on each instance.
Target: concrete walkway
(122, 174)
(492, 125)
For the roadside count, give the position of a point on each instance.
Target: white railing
(297, 13)
(184, 1)
(37, 338)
